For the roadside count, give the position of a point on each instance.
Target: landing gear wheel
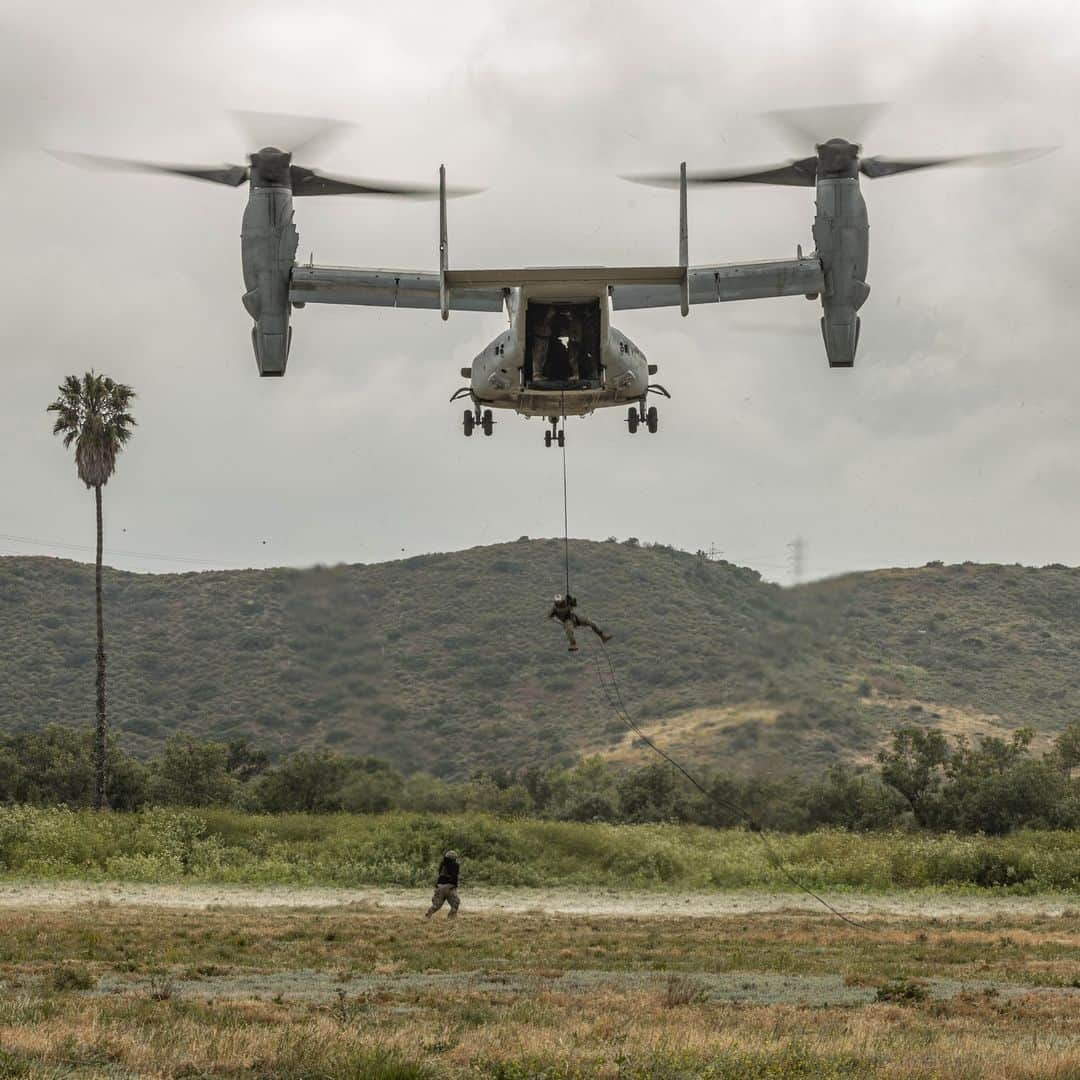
(652, 419)
(632, 420)
(547, 438)
(488, 422)
(468, 422)
(562, 438)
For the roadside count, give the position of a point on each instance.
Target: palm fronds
(93, 413)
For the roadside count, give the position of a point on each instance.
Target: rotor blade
(298, 135)
(810, 127)
(874, 167)
(311, 182)
(800, 173)
(231, 175)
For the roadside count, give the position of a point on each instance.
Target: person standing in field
(446, 886)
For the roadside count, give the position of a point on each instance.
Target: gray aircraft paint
(842, 236)
(268, 241)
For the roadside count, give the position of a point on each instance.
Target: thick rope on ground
(619, 705)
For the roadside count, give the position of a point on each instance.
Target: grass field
(109, 991)
(967, 962)
(404, 849)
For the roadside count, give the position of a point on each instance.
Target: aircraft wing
(609, 276)
(385, 288)
(731, 281)
(469, 290)
(485, 290)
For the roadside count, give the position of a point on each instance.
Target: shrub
(66, 977)
(680, 990)
(902, 991)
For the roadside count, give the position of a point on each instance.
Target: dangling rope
(615, 700)
(565, 516)
(619, 705)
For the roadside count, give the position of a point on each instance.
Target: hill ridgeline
(447, 663)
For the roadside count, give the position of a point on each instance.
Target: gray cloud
(953, 437)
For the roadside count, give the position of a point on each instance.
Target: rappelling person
(446, 886)
(563, 610)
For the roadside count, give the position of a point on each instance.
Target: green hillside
(447, 663)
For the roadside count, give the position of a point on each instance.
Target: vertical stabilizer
(684, 244)
(444, 250)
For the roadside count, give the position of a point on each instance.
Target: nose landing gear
(638, 414)
(482, 420)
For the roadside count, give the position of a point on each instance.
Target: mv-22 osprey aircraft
(561, 355)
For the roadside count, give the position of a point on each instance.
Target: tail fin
(684, 244)
(444, 248)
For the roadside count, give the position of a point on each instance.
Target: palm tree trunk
(102, 725)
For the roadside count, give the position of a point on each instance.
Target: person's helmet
(559, 598)
(450, 855)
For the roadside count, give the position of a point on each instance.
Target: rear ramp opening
(562, 345)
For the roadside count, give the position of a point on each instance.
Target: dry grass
(360, 994)
(694, 731)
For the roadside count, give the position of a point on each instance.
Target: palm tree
(93, 414)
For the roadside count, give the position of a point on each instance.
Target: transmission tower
(798, 559)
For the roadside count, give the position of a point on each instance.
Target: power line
(188, 559)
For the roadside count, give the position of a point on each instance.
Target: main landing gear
(554, 435)
(638, 414)
(482, 420)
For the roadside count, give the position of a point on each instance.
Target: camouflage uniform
(563, 610)
(446, 886)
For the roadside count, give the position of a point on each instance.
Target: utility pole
(798, 559)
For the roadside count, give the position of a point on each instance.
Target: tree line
(921, 780)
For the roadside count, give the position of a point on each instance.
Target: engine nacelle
(842, 239)
(268, 242)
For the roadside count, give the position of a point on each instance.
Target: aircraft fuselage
(560, 356)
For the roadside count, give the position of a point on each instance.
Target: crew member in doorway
(575, 332)
(541, 344)
(446, 886)
(563, 610)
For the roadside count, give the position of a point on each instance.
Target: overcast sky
(955, 437)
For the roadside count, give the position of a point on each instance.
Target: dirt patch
(76, 894)
(951, 720)
(693, 729)
(759, 988)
